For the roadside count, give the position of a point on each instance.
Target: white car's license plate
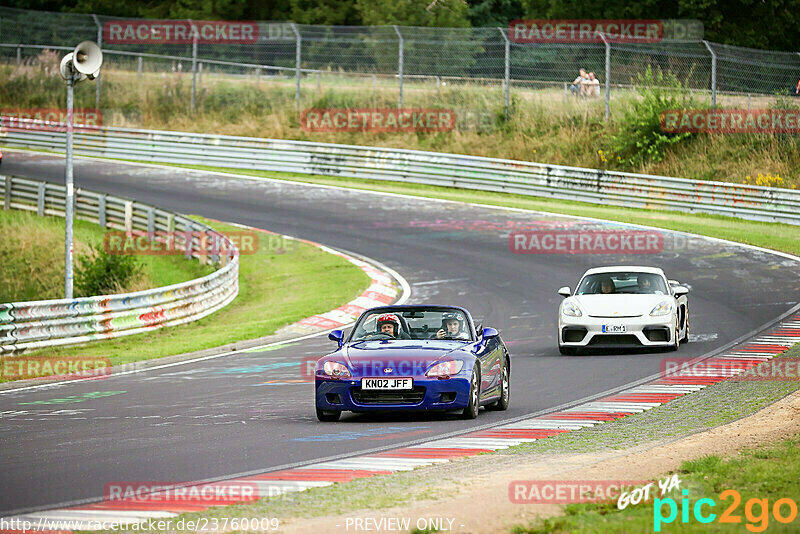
(387, 383)
(613, 328)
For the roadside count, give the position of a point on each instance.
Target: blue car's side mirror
(489, 333)
(337, 336)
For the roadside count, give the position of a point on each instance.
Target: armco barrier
(412, 166)
(47, 323)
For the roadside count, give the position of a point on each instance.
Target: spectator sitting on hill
(578, 83)
(593, 86)
(797, 88)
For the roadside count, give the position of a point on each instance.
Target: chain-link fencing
(474, 71)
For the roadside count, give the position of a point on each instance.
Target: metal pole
(713, 75)
(68, 182)
(608, 76)
(297, 59)
(401, 46)
(139, 67)
(194, 63)
(19, 56)
(100, 44)
(507, 79)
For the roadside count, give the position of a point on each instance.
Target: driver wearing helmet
(389, 324)
(452, 327)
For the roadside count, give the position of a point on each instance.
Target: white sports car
(625, 306)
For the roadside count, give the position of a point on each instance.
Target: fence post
(128, 217)
(101, 212)
(7, 195)
(19, 56)
(188, 231)
(200, 73)
(608, 76)
(40, 200)
(194, 63)
(297, 60)
(139, 67)
(507, 76)
(100, 44)
(401, 47)
(713, 75)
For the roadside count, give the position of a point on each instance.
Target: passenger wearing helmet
(452, 327)
(389, 324)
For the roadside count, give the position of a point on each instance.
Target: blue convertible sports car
(413, 358)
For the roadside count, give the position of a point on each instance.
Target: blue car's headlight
(445, 369)
(570, 309)
(336, 370)
(663, 308)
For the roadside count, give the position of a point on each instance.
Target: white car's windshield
(625, 283)
(413, 323)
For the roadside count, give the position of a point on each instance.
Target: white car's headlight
(663, 308)
(570, 309)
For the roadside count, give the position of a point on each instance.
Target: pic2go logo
(756, 511)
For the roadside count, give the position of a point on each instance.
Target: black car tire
(505, 392)
(471, 410)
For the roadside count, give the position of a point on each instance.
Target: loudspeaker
(85, 60)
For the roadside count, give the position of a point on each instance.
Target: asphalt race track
(249, 412)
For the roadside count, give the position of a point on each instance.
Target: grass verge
(32, 256)
(276, 287)
(764, 475)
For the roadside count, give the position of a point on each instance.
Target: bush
(100, 273)
(639, 138)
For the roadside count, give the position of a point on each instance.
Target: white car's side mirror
(680, 291)
(565, 291)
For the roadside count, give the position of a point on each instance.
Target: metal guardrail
(48, 323)
(452, 170)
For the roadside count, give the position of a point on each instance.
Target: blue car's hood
(407, 357)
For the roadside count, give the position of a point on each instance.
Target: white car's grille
(614, 316)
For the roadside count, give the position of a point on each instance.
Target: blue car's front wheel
(471, 410)
(328, 416)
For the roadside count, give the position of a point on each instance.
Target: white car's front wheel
(677, 337)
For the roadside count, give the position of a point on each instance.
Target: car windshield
(624, 283)
(413, 323)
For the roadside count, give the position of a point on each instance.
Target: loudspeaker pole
(69, 200)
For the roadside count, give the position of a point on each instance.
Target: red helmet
(389, 318)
